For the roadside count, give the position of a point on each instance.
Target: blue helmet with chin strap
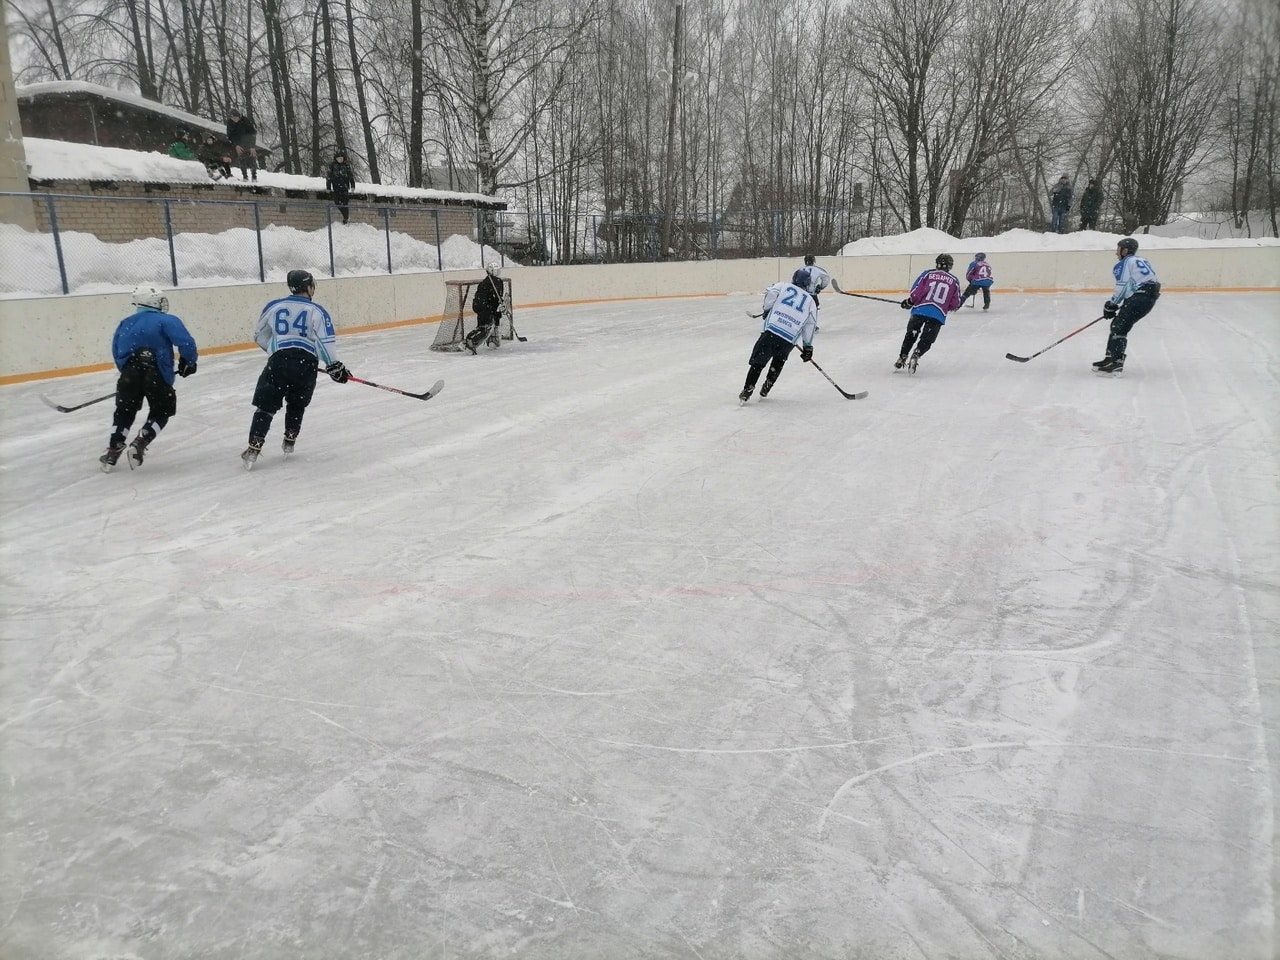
(802, 279)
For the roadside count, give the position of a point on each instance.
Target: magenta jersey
(935, 294)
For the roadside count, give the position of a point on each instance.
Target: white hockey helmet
(149, 295)
(491, 269)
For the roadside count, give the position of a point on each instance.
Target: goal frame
(458, 318)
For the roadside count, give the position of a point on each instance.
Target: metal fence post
(57, 242)
(328, 225)
(257, 232)
(386, 231)
(168, 230)
(595, 238)
(435, 215)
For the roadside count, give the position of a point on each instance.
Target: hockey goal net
(459, 319)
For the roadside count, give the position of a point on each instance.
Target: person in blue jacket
(143, 348)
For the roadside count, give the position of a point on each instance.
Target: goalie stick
(435, 388)
(1017, 359)
(79, 406)
(865, 296)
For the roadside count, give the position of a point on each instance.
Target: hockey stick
(1010, 356)
(755, 316)
(865, 296)
(435, 388)
(78, 406)
(847, 396)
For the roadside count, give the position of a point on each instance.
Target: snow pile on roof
(27, 91)
(61, 160)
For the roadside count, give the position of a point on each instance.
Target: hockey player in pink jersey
(934, 294)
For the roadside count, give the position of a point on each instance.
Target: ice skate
(913, 363)
(1111, 367)
(744, 396)
(286, 445)
(900, 362)
(138, 449)
(250, 455)
(112, 456)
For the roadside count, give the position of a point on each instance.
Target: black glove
(186, 367)
(1109, 310)
(338, 370)
(806, 353)
(906, 304)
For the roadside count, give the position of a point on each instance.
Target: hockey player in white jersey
(297, 333)
(790, 317)
(1137, 290)
(819, 279)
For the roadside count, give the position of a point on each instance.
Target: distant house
(79, 112)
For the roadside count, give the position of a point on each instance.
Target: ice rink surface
(580, 660)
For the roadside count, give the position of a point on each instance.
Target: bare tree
(1155, 74)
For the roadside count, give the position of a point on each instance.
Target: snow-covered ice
(580, 659)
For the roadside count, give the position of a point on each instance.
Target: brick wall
(119, 212)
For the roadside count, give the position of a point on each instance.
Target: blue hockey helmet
(979, 256)
(802, 279)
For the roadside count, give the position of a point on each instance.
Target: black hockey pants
(1131, 311)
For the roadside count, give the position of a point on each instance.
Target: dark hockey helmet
(300, 281)
(979, 256)
(809, 260)
(802, 280)
(1128, 245)
(945, 261)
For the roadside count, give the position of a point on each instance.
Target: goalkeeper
(487, 302)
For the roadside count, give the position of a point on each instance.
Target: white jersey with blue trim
(295, 322)
(1131, 273)
(819, 279)
(790, 313)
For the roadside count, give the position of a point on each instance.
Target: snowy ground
(581, 660)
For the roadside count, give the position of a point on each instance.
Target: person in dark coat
(1060, 204)
(340, 181)
(215, 159)
(244, 137)
(1090, 205)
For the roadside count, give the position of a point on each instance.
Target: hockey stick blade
(435, 389)
(840, 390)
(79, 406)
(1010, 356)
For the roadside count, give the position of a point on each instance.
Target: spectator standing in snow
(244, 137)
(1060, 205)
(1090, 205)
(340, 181)
(790, 316)
(978, 277)
(142, 348)
(934, 294)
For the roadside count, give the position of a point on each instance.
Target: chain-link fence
(91, 244)
(87, 244)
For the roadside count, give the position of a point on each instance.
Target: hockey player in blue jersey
(1137, 291)
(790, 316)
(297, 333)
(979, 277)
(143, 348)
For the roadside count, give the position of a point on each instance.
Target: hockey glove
(338, 371)
(806, 353)
(186, 367)
(1109, 310)
(906, 304)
